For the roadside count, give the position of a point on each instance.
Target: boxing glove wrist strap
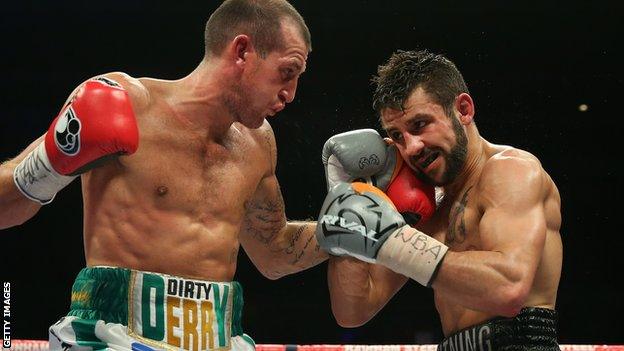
(413, 254)
(36, 178)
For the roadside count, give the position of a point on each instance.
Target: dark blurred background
(529, 66)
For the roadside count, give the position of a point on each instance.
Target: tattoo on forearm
(295, 238)
(299, 256)
(456, 232)
(264, 220)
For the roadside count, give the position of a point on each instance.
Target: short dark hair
(408, 70)
(260, 19)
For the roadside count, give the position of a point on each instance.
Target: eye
(418, 125)
(288, 73)
(396, 136)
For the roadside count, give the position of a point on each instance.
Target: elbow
(16, 213)
(511, 299)
(351, 314)
(272, 269)
(351, 320)
(271, 274)
(6, 223)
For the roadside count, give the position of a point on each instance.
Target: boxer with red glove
(97, 124)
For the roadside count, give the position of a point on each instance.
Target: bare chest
(185, 172)
(456, 222)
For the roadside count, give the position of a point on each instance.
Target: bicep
(264, 214)
(513, 221)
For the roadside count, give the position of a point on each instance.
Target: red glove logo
(67, 132)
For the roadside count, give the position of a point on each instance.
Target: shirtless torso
(457, 224)
(177, 204)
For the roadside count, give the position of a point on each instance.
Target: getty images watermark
(6, 315)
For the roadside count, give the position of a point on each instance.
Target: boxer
(176, 176)
(491, 251)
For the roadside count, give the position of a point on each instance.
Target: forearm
(359, 290)
(278, 249)
(295, 249)
(483, 280)
(489, 281)
(15, 208)
(350, 286)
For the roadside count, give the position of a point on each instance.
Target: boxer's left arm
(359, 290)
(277, 247)
(499, 276)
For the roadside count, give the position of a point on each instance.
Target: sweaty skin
(500, 218)
(470, 223)
(201, 183)
(178, 203)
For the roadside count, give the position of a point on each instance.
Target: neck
(476, 157)
(197, 100)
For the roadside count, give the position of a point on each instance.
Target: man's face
(432, 143)
(271, 82)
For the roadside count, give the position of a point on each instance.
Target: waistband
(159, 309)
(532, 329)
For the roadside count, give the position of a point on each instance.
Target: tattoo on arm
(265, 219)
(295, 238)
(294, 243)
(457, 226)
(299, 256)
(297, 246)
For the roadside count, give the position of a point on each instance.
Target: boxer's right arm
(97, 123)
(15, 208)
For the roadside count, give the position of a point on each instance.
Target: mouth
(424, 162)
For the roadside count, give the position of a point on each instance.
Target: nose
(413, 145)
(287, 94)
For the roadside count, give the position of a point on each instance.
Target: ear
(465, 106)
(241, 50)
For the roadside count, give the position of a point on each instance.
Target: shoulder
(512, 175)
(511, 164)
(137, 92)
(264, 135)
(264, 138)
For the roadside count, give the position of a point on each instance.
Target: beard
(454, 159)
(238, 103)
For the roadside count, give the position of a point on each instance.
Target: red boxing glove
(414, 199)
(97, 124)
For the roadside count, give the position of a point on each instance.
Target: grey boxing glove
(359, 220)
(355, 220)
(361, 155)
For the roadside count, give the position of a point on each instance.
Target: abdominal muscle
(166, 243)
(184, 232)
